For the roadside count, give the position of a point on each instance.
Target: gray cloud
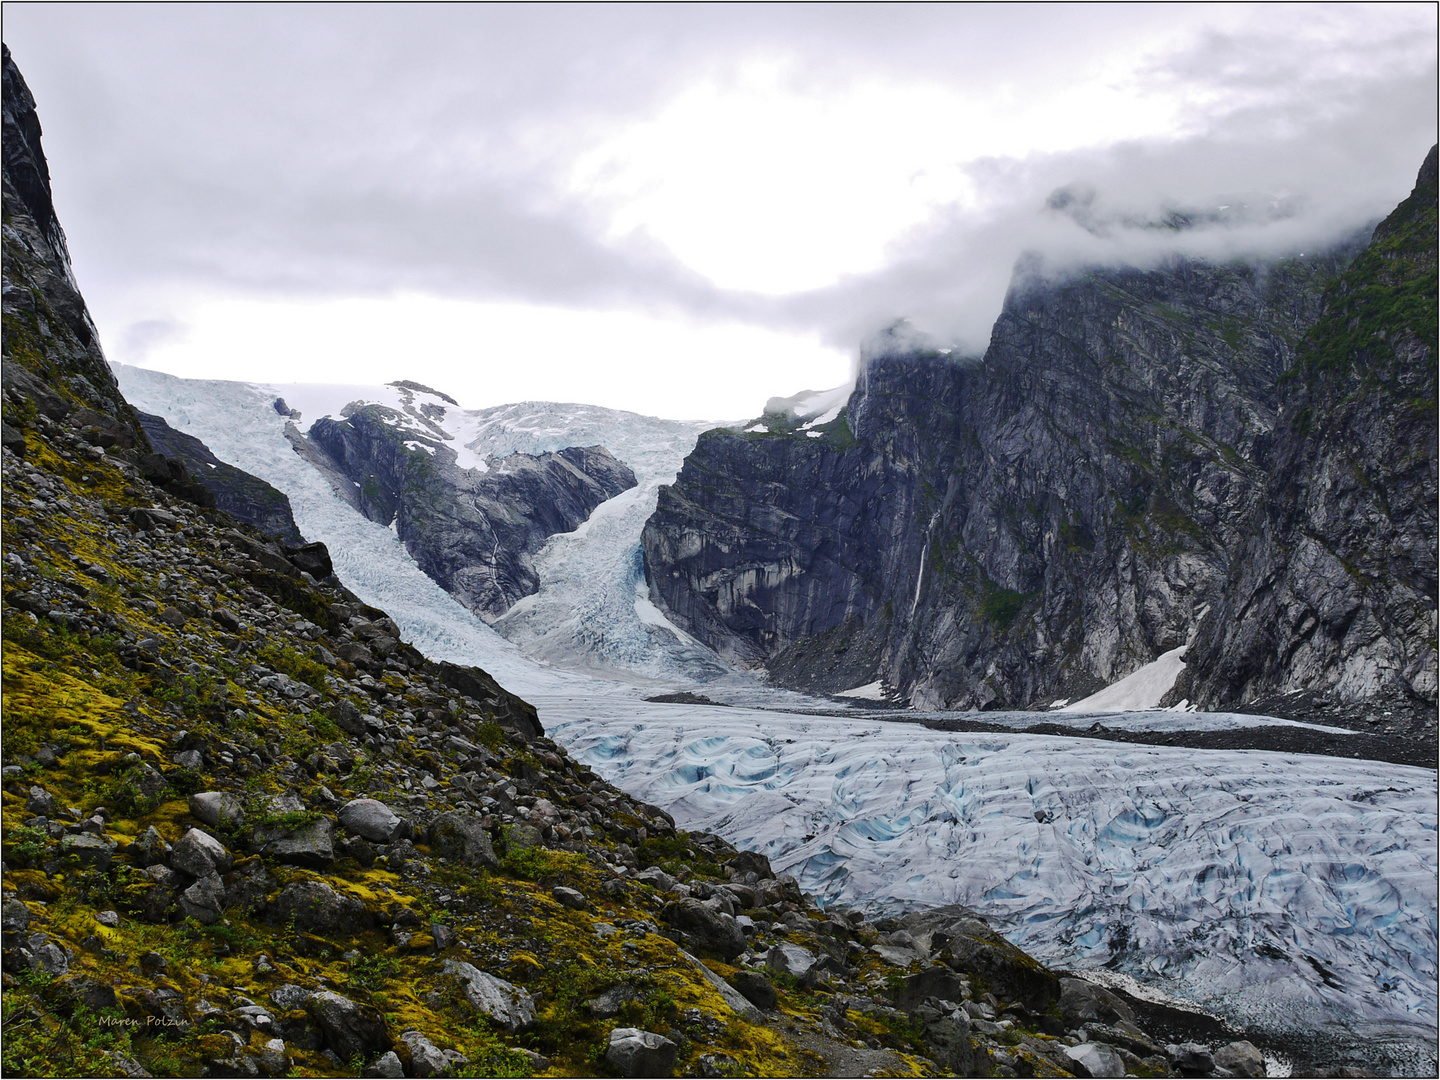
(366, 149)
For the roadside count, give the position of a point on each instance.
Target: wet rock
(507, 1005)
(461, 837)
(370, 819)
(632, 1052)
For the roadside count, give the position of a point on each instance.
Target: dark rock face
(1336, 588)
(473, 532)
(1137, 454)
(235, 491)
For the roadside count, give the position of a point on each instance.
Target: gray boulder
(426, 1059)
(461, 837)
(1241, 1059)
(1095, 1059)
(387, 1066)
(632, 1052)
(311, 845)
(1083, 1002)
(937, 982)
(204, 900)
(218, 809)
(370, 819)
(792, 960)
(611, 1001)
(348, 1027)
(758, 990)
(507, 1005)
(315, 907)
(199, 854)
(706, 927)
(88, 850)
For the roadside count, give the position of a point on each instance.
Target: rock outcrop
(1139, 459)
(237, 492)
(473, 530)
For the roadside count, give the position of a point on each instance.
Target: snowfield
(1280, 890)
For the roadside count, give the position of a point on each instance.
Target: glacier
(1281, 891)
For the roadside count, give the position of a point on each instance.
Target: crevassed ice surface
(1274, 887)
(1280, 889)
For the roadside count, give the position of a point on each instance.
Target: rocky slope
(473, 530)
(1036, 523)
(248, 831)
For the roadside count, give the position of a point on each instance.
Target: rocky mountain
(248, 831)
(474, 530)
(1242, 455)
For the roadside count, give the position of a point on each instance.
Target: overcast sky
(679, 210)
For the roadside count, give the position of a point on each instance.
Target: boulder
(1095, 1059)
(386, 1066)
(461, 837)
(569, 898)
(348, 1028)
(88, 850)
(1240, 1059)
(507, 1005)
(315, 907)
(426, 1059)
(751, 862)
(632, 1052)
(204, 900)
(311, 845)
(370, 819)
(939, 983)
(1191, 1057)
(218, 809)
(707, 928)
(791, 960)
(967, 944)
(199, 854)
(757, 989)
(1082, 1002)
(611, 1001)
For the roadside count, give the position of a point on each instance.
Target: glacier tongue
(1283, 890)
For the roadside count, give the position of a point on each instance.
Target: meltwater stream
(1287, 892)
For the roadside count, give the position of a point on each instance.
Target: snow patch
(1141, 689)
(870, 692)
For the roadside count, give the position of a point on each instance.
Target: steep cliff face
(473, 530)
(1335, 588)
(1042, 521)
